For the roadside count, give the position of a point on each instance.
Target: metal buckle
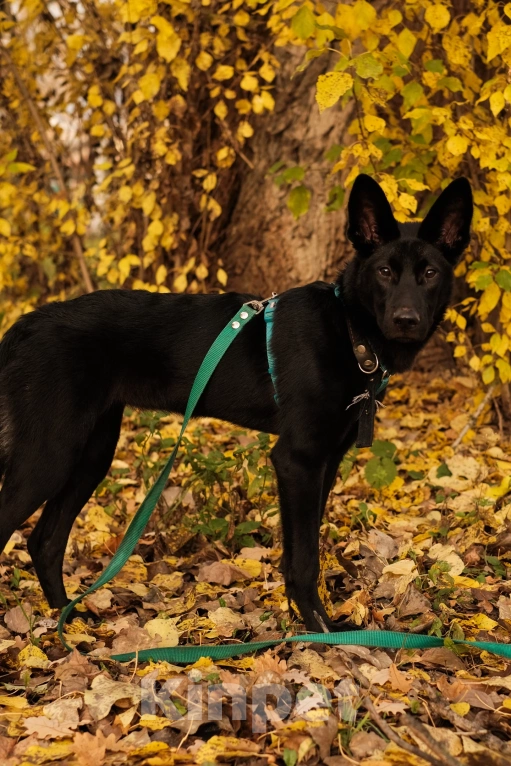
(370, 372)
(259, 306)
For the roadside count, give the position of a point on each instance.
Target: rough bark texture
(265, 248)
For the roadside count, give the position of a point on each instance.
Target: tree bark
(265, 249)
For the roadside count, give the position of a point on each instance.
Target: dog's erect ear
(447, 225)
(370, 219)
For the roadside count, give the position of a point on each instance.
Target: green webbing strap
(188, 654)
(384, 639)
(142, 516)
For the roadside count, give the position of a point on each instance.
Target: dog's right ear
(370, 219)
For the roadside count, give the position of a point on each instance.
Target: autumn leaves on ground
(417, 538)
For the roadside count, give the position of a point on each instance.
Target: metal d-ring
(370, 372)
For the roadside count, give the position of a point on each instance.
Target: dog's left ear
(370, 219)
(447, 225)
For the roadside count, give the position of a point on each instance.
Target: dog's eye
(385, 271)
(430, 273)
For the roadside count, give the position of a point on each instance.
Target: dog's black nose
(406, 317)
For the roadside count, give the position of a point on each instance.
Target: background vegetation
(131, 130)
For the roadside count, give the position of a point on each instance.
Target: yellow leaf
(161, 110)
(497, 102)
(148, 203)
(68, 227)
(437, 17)
(94, 97)
(245, 129)
(181, 70)
(241, 18)
(221, 110)
(201, 272)
(489, 299)
(406, 42)
(460, 351)
(168, 47)
(330, 87)
(460, 708)
(373, 123)
(203, 61)
(488, 375)
(163, 629)
(222, 277)
(125, 193)
(153, 722)
(75, 42)
(209, 182)
(225, 157)
(149, 84)
(5, 227)
(161, 274)
(481, 622)
(223, 72)
(408, 202)
(250, 83)
(267, 100)
(134, 10)
(251, 566)
(457, 145)
(32, 657)
(180, 283)
(267, 72)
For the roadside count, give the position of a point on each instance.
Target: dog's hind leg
(47, 543)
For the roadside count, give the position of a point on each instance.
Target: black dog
(68, 369)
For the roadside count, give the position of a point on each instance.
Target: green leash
(189, 654)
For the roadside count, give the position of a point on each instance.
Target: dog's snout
(406, 317)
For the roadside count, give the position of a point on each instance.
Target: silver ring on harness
(376, 365)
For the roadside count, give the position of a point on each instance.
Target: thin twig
(77, 246)
(402, 743)
(423, 734)
(473, 418)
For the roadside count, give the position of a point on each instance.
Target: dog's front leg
(301, 478)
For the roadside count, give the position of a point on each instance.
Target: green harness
(189, 654)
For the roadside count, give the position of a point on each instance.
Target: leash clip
(259, 306)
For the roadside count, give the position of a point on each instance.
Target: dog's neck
(393, 355)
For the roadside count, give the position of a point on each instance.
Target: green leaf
(412, 92)
(451, 83)
(380, 472)
(20, 167)
(314, 53)
(443, 470)
(366, 66)
(335, 199)
(483, 281)
(290, 756)
(293, 174)
(333, 154)
(416, 475)
(503, 279)
(302, 23)
(298, 200)
(276, 166)
(382, 448)
(339, 33)
(436, 66)
(391, 158)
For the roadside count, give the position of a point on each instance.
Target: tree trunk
(265, 248)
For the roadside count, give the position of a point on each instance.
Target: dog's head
(404, 272)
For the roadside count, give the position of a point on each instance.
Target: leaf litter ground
(417, 537)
